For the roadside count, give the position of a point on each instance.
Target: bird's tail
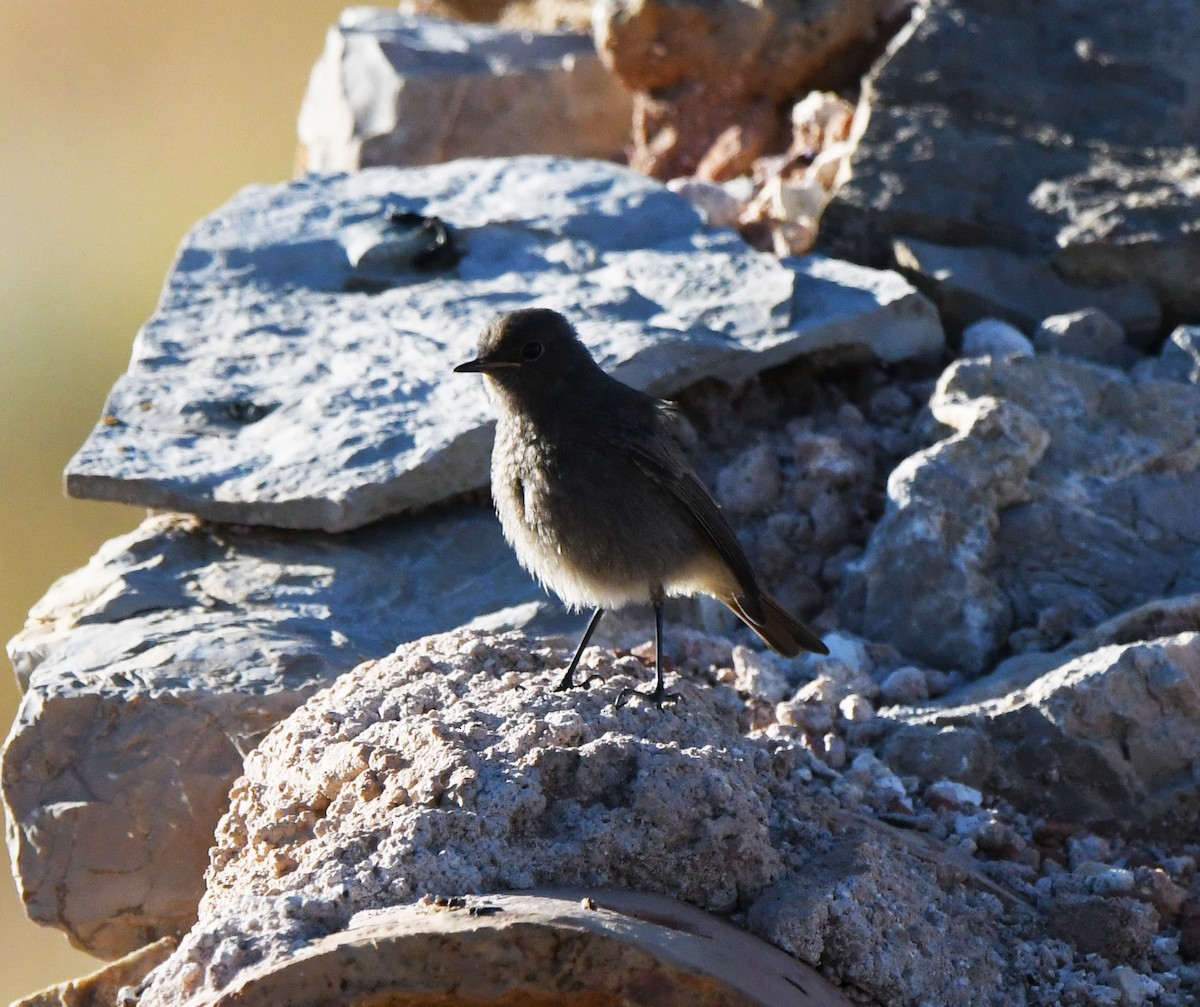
(779, 630)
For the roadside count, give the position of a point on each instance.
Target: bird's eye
(531, 350)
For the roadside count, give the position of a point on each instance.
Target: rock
(279, 383)
(1111, 736)
(535, 15)
(1179, 358)
(1089, 334)
(1135, 987)
(750, 483)
(1064, 131)
(756, 674)
(450, 770)
(861, 885)
(856, 709)
(924, 583)
(717, 205)
(990, 337)
(904, 685)
(103, 987)
(1062, 500)
(947, 794)
(150, 673)
(959, 754)
(969, 284)
(710, 76)
(557, 946)
(1119, 929)
(393, 89)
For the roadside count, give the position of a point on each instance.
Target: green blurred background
(123, 123)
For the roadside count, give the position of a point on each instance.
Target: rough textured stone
(1089, 334)
(278, 383)
(451, 768)
(559, 946)
(937, 538)
(1064, 130)
(712, 76)
(393, 89)
(1179, 358)
(1118, 929)
(859, 887)
(151, 671)
(102, 988)
(1110, 736)
(971, 283)
(1063, 499)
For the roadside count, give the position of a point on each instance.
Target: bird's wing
(653, 450)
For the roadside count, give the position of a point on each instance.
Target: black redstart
(595, 496)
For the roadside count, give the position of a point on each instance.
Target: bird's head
(534, 348)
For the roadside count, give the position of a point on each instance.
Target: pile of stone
(968, 457)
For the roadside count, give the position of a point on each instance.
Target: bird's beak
(482, 365)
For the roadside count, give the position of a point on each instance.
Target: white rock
(990, 337)
(856, 708)
(716, 203)
(1134, 987)
(952, 795)
(394, 89)
(757, 674)
(278, 384)
(849, 650)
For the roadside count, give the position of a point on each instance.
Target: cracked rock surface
(298, 369)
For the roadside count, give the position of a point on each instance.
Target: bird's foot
(568, 681)
(658, 694)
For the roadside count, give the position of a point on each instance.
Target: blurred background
(123, 124)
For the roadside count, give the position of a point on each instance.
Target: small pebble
(905, 686)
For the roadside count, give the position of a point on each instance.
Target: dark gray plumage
(595, 496)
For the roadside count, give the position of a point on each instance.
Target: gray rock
(394, 89)
(1088, 334)
(297, 371)
(904, 685)
(1179, 359)
(150, 673)
(925, 582)
(1062, 129)
(1117, 929)
(1065, 498)
(863, 885)
(450, 768)
(1112, 735)
(973, 283)
(990, 337)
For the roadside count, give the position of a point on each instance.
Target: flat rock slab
(396, 89)
(298, 369)
(150, 673)
(1064, 129)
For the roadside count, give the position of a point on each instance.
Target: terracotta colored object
(545, 949)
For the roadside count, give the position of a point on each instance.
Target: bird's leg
(568, 679)
(660, 694)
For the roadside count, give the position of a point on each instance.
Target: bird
(596, 498)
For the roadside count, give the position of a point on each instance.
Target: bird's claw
(659, 695)
(568, 682)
